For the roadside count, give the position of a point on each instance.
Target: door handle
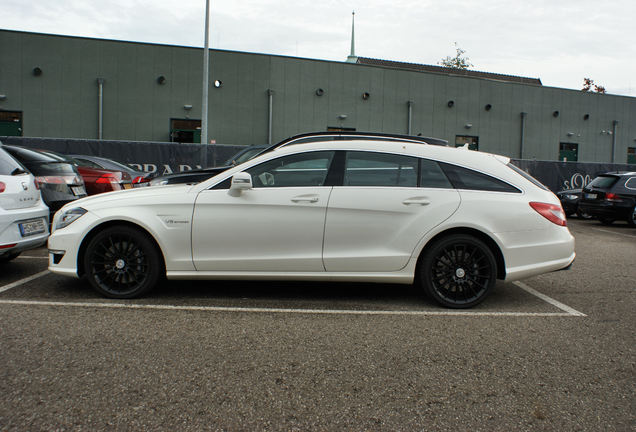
(305, 198)
(416, 201)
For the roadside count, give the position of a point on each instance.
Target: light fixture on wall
(218, 83)
(586, 117)
(570, 134)
(161, 80)
(488, 107)
(450, 103)
(187, 107)
(342, 117)
(365, 96)
(319, 92)
(555, 114)
(468, 125)
(3, 97)
(37, 71)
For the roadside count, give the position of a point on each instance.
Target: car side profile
(450, 220)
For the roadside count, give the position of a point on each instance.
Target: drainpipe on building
(614, 124)
(204, 94)
(409, 104)
(100, 108)
(523, 133)
(270, 98)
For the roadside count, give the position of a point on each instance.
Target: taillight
(69, 179)
(109, 178)
(612, 197)
(552, 212)
(2, 187)
(37, 184)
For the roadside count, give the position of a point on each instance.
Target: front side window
(380, 169)
(298, 170)
(464, 178)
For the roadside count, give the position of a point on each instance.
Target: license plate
(32, 227)
(78, 190)
(590, 196)
(128, 186)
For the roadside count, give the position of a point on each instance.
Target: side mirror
(241, 181)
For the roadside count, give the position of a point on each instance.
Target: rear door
(379, 214)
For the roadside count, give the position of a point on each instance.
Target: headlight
(69, 216)
(572, 197)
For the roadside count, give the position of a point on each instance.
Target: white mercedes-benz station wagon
(450, 220)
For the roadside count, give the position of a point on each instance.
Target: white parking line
(550, 300)
(282, 310)
(568, 311)
(32, 257)
(613, 232)
(23, 281)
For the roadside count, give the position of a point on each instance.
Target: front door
(277, 226)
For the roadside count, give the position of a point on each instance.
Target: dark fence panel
(160, 157)
(559, 176)
(165, 158)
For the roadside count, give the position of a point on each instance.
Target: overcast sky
(559, 41)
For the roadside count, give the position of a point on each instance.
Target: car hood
(128, 197)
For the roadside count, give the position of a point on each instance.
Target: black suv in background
(610, 197)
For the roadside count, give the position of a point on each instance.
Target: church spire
(352, 58)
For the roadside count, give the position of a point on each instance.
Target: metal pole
(409, 104)
(100, 108)
(614, 124)
(270, 97)
(204, 97)
(523, 133)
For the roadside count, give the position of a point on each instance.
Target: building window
(185, 130)
(472, 141)
(10, 123)
(631, 155)
(568, 152)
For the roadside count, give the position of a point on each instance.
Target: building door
(631, 155)
(472, 141)
(10, 123)
(185, 130)
(568, 152)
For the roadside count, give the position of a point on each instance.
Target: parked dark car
(610, 197)
(139, 178)
(59, 180)
(196, 176)
(570, 202)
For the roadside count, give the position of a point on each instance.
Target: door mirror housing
(241, 181)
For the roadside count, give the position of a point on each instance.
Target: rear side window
(380, 169)
(604, 182)
(527, 176)
(631, 183)
(432, 176)
(464, 178)
(8, 164)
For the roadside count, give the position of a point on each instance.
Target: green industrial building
(72, 87)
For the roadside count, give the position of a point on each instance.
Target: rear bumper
(11, 240)
(606, 210)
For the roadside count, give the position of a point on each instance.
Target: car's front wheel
(631, 219)
(122, 262)
(458, 271)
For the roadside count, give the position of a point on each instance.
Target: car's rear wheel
(9, 257)
(122, 262)
(458, 271)
(582, 215)
(632, 218)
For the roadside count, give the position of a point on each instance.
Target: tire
(9, 257)
(606, 221)
(458, 271)
(582, 215)
(122, 262)
(631, 219)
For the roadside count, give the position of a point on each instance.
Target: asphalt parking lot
(554, 352)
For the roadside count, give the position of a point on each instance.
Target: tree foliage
(457, 62)
(589, 86)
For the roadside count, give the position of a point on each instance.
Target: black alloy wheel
(122, 262)
(458, 271)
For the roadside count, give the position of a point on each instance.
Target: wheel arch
(492, 245)
(108, 224)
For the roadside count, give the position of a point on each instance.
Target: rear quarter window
(464, 178)
(8, 164)
(631, 184)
